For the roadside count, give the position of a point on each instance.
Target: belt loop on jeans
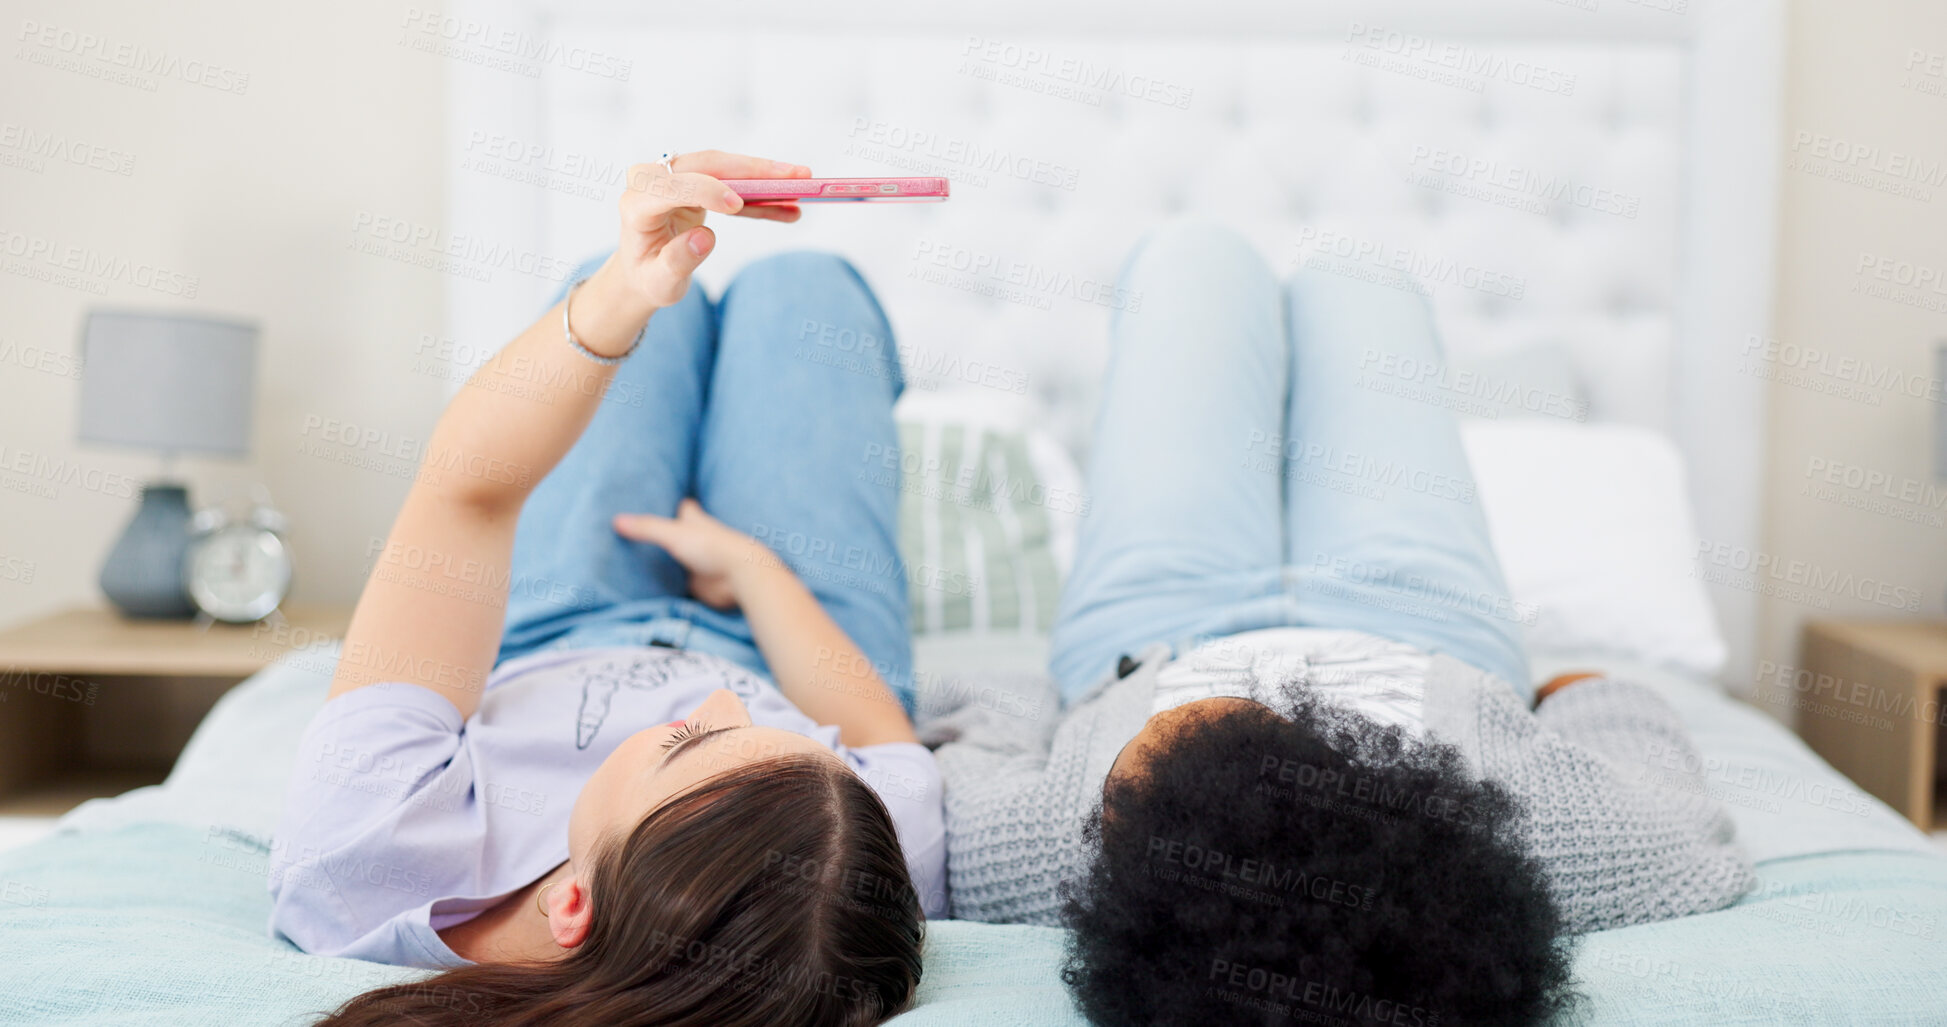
(671, 633)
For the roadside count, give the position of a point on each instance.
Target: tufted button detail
(1625, 113)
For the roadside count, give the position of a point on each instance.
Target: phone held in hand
(837, 190)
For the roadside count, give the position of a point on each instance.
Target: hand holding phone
(759, 191)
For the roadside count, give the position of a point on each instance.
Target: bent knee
(1197, 236)
(806, 291)
(1313, 288)
(795, 267)
(1191, 248)
(815, 306)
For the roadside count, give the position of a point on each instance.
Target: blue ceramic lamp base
(143, 576)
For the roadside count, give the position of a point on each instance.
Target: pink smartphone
(830, 190)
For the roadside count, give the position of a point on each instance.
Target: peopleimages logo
(1867, 157)
(925, 145)
(1512, 180)
(849, 349)
(1476, 65)
(1294, 997)
(502, 48)
(1810, 685)
(1417, 264)
(87, 268)
(1834, 372)
(37, 147)
(1754, 570)
(1092, 81)
(124, 63)
(1262, 874)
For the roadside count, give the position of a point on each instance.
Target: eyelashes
(687, 731)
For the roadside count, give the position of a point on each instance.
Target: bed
(1066, 130)
(150, 908)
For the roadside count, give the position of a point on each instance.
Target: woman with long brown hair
(602, 757)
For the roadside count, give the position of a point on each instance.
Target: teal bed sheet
(150, 908)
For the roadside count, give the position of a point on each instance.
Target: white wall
(253, 194)
(1854, 79)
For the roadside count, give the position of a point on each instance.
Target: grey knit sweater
(1616, 810)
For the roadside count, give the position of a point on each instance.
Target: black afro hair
(1310, 866)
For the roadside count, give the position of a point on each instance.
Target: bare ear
(570, 912)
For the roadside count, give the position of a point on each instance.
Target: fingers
(644, 527)
(685, 252)
(653, 192)
(652, 528)
(786, 212)
(718, 164)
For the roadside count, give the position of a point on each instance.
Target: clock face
(239, 573)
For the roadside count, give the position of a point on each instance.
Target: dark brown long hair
(775, 893)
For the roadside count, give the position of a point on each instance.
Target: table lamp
(173, 383)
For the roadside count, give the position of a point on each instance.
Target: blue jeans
(734, 403)
(1272, 456)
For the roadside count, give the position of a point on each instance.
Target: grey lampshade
(168, 381)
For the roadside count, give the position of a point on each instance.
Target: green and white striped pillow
(984, 532)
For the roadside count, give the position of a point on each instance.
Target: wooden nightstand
(1869, 699)
(92, 703)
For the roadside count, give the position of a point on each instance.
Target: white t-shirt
(1383, 680)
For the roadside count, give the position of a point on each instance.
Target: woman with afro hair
(1301, 774)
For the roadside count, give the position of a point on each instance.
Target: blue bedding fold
(151, 908)
(163, 924)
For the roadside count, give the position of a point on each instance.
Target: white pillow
(1594, 528)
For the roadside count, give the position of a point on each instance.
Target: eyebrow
(688, 743)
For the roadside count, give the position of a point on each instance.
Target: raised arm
(434, 606)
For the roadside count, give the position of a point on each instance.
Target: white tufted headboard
(1596, 175)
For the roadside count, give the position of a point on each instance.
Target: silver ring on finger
(668, 161)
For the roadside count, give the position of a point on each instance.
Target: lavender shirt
(401, 819)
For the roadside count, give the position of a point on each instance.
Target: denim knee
(798, 271)
(1195, 241)
(1311, 283)
(823, 306)
(1197, 255)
